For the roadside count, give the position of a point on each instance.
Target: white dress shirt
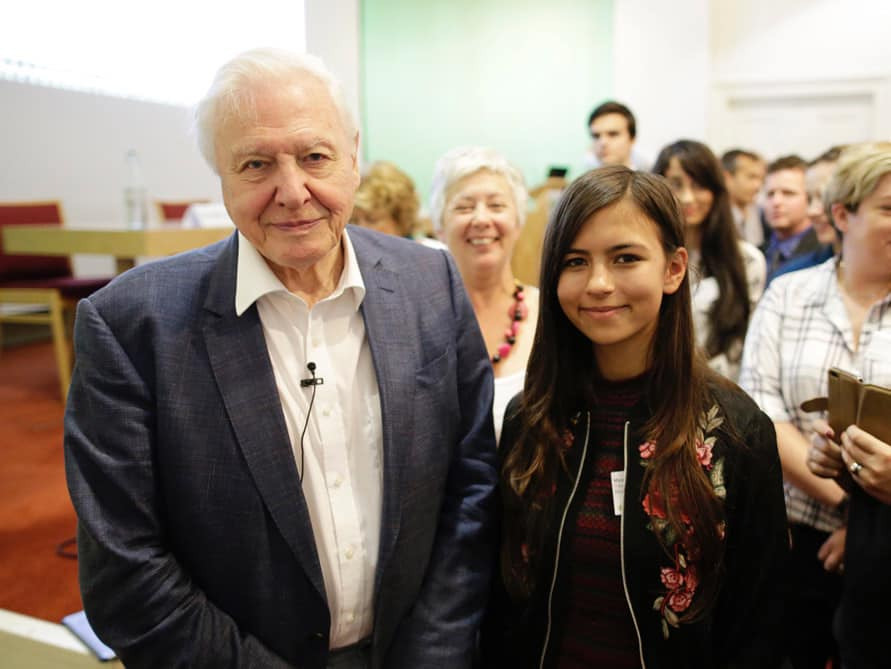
(342, 448)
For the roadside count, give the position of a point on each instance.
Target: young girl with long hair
(643, 519)
(728, 273)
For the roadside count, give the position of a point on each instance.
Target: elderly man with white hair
(280, 447)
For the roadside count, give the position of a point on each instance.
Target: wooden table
(124, 245)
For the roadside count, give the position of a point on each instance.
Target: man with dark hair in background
(819, 171)
(613, 129)
(744, 176)
(786, 210)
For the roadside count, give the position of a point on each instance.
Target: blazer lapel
(383, 310)
(240, 363)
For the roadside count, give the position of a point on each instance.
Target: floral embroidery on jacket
(681, 579)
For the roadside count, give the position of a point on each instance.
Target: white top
(706, 293)
(432, 243)
(748, 223)
(800, 329)
(343, 444)
(505, 388)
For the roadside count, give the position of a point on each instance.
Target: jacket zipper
(643, 664)
(575, 485)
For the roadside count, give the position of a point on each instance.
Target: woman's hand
(832, 552)
(868, 459)
(824, 457)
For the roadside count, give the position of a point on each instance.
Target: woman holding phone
(850, 300)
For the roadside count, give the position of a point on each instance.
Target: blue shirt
(779, 251)
(811, 259)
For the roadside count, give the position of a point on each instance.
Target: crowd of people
(317, 445)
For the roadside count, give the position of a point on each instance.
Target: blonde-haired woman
(837, 314)
(478, 204)
(386, 201)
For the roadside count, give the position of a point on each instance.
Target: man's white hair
(463, 161)
(232, 91)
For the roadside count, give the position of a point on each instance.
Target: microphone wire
(312, 398)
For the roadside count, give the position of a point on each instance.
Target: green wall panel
(516, 75)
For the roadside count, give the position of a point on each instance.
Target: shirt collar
(825, 291)
(822, 290)
(787, 246)
(254, 278)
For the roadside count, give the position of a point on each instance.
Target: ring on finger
(855, 468)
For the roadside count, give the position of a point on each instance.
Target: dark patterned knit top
(599, 631)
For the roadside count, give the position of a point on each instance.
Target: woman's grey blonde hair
(463, 161)
(859, 170)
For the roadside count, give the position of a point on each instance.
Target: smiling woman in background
(478, 203)
(727, 273)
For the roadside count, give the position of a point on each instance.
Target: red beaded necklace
(517, 313)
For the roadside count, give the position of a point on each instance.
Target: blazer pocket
(434, 372)
(436, 416)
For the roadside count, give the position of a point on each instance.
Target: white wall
(67, 145)
(799, 76)
(662, 69)
(671, 59)
(333, 34)
(777, 40)
(70, 146)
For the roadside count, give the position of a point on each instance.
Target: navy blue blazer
(195, 544)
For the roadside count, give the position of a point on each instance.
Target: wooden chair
(169, 211)
(44, 283)
(526, 259)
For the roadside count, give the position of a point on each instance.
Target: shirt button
(349, 552)
(315, 342)
(338, 480)
(350, 616)
(326, 411)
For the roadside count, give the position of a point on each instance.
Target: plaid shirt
(799, 330)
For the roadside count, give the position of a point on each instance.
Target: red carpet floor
(35, 511)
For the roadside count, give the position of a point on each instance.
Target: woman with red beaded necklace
(478, 203)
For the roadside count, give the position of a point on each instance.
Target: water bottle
(135, 204)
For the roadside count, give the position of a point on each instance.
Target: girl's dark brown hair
(562, 372)
(719, 250)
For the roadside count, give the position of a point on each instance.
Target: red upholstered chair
(44, 283)
(169, 212)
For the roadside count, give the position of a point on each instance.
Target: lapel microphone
(305, 383)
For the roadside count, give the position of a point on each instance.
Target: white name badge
(617, 480)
